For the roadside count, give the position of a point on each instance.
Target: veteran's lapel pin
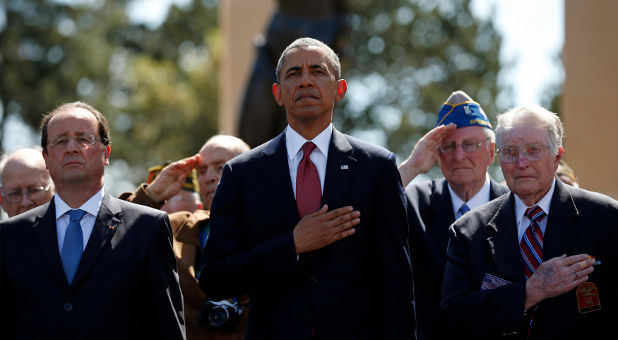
(344, 167)
(111, 227)
(588, 298)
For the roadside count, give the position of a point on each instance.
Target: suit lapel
(275, 173)
(503, 241)
(44, 229)
(340, 169)
(561, 230)
(441, 208)
(104, 227)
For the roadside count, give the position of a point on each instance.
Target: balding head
(24, 181)
(213, 155)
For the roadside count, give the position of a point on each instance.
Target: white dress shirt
(294, 143)
(523, 222)
(91, 207)
(475, 201)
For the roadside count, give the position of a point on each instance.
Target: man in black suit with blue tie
(463, 143)
(312, 223)
(86, 265)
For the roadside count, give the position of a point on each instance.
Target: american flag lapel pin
(344, 167)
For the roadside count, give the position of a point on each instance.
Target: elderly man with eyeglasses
(24, 181)
(463, 145)
(541, 262)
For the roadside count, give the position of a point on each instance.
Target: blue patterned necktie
(73, 246)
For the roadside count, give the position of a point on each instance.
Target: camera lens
(219, 316)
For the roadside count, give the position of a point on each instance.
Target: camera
(220, 314)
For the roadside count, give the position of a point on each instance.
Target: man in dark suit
(463, 143)
(539, 263)
(86, 265)
(313, 223)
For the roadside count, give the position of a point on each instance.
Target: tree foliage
(405, 57)
(157, 87)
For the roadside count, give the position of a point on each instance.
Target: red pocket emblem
(588, 298)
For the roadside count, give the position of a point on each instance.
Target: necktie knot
(76, 215)
(308, 148)
(464, 209)
(535, 214)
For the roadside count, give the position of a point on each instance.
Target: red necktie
(308, 189)
(531, 244)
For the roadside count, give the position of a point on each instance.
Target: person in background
(463, 143)
(566, 174)
(191, 231)
(187, 199)
(24, 181)
(541, 262)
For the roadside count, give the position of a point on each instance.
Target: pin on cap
(460, 109)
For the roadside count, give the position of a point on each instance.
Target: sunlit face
(524, 177)
(308, 87)
(72, 163)
(21, 179)
(212, 158)
(464, 168)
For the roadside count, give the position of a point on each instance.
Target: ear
(342, 88)
(492, 153)
(277, 94)
(106, 152)
(559, 156)
(45, 159)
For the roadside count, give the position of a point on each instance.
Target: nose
(212, 176)
(522, 161)
(25, 201)
(306, 80)
(459, 153)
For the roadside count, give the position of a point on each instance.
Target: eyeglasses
(467, 146)
(34, 194)
(82, 140)
(532, 152)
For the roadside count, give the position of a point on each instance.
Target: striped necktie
(531, 245)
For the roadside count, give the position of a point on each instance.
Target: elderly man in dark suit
(463, 143)
(539, 263)
(86, 265)
(313, 223)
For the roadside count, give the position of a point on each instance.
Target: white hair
(541, 117)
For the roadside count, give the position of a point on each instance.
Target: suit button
(313, 280)
(68, 306)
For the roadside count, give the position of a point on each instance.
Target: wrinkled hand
(425, 153)
(170, 180)
(323, 227)
(557, 276)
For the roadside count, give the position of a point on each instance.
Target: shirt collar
(543, 203)
(91, 206)
(294, 141)
(477, 200)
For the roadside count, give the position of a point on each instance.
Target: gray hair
(310, 42)
(547, 120)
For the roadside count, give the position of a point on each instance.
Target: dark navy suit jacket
(126, 285)
(430, 213)
(357, 288)
(484, 241)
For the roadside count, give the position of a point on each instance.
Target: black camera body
(220, 314)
